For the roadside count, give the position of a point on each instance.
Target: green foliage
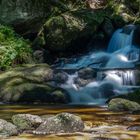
(13, 49)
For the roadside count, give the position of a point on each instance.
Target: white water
(115, 74)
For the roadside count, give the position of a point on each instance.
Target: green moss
(119, 104)
(65, 31)
(13, 49)
(29, 83)
(134, 96)
(124, 12)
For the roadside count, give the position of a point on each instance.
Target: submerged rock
(81, 82)
(119, 104)
(134, 128)
(7, 129)
(61, 123)
(26, 121)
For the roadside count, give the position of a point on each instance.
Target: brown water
(99, 122)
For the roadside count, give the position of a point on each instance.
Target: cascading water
(114, 68)
(121, 38)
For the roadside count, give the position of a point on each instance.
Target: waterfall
(120, 40)
(115, 68)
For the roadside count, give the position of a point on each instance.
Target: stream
(115, 73)
(99, 122)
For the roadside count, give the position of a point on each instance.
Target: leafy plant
(13, 48)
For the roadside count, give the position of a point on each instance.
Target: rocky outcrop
(61, 123)
(70, 31)
(26, 16)
(30, 83)
(7, 129)
(26, 121)
(30, 15)
(119, 104)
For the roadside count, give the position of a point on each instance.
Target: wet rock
(119, 104)
(26, 121)
(61, 123)
(81, 82)
(134, 128)
(60, 77)
(7, 129)
(87, 73)
(39, 56)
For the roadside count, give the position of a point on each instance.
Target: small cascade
(121, 77)
(121, 38)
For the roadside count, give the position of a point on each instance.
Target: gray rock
(134, 128)
(7, 129)
(87, 73)
(61, 123)
(26, 121)
(81, 82)
(60, 77)
(119, 104)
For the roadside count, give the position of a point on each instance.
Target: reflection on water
(99, 122)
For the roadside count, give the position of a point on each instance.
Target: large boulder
(30, 83)
(7, 129)
(119, 104)
(71, 31)
(61, 123)
(26, 14)
(30, 15)
(26, 121)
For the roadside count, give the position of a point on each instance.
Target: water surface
(98, 120)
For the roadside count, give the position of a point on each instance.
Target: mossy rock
(31, 15)
(26, 121)
(61, 123)
(30, 83)
(119, 104)
(123, 12)
(70, 31)
(133, 96)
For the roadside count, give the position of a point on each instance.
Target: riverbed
(99, 122)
